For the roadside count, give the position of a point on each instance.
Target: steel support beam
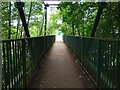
(45, 8)
(97, 19)
(19, 6)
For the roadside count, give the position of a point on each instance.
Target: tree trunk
(83, 26)
(18, 27)
(73, 29)
(29, 14)
(78, 31)
(66, 26)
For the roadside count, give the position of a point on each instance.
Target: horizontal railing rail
(21, 58)
(100, 58)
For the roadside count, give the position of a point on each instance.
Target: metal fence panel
(101, 58)
(20, 59)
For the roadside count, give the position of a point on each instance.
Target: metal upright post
(46, 5)
(9, 31)
(99, 62)
(118, 66)
(24, 63)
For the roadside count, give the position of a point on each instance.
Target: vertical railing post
(1, 51)
(24, 63)
(118, 65)
(99, 62)
(44, 44)
(82, 50)
(8, 64)
(4, 67)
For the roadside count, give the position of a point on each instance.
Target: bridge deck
(60, 69)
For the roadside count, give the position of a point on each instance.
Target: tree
(11, 23)
(76, 15)
(82, 15)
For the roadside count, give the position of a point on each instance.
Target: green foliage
(109, 26)
(77, 17)
(35, 17)
(34, 22)
(77, 13)
(54, 24)
(5, 20)
(83, 16)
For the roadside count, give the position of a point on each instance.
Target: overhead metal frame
(97, 18)
(19, 6)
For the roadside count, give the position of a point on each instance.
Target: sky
(53, 2)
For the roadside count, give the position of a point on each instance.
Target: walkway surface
(60, 69)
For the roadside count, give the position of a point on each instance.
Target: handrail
(25, 38)
(95, 38)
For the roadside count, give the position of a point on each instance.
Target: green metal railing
(101, 59)
(21, 58)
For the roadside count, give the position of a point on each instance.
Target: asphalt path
(60, 69)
